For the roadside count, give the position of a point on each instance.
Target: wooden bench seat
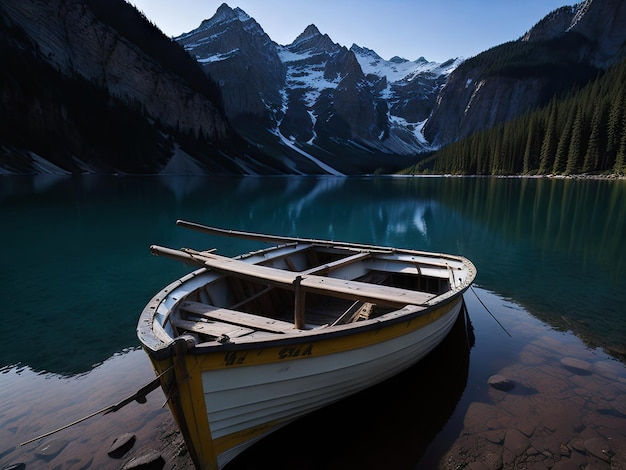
(213, 329)
(234, 317)
(333, 265)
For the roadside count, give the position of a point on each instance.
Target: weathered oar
(279, 238)
(240, 234)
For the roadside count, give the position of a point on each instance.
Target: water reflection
(554, 245)
(76, 269)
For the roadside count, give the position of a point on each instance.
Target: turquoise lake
(76, 271)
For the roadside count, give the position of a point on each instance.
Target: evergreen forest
(583, 132)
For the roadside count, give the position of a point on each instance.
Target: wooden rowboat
(246, 345)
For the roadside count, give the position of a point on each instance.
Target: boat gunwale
(158, 343)
(404, 314)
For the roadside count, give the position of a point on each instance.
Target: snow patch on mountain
(291, 144)
(313, 121)
(398, 69)
(415, 128)
(301, 74)
(217, 57)
(287, 55)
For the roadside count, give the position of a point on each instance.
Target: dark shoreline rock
(121, 445)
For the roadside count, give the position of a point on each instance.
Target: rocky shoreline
(168, 453)
(568, 415)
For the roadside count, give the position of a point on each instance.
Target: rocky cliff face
(603, 22)
(71, 37)
(234, 50)
(567, 48)
(553, 24)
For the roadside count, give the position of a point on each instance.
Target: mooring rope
(138, 396)
(492, 315)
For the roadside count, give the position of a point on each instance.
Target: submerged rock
(577, 444)
(51, 449)
(121, 445)
(499, 382)
(516, 442)
(599, 447)
(477, 466)
(577, 366)
(153, 460)
(566, 464)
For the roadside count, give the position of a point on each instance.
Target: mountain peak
(225, 14)
(312, 40)
(364, 51)
(311, 31)
(222, 20)
(398, 60)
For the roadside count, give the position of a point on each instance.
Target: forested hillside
(582, 133)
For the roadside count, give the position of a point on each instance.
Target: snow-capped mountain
(317, 98)
(411, 86)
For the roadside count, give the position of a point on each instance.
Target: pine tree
(620, 159)
(577, 144)
(473, 149)
(482, 156)
(613, 126)
(548, 146)
(508, 151)
(533, 144)
(497, 155)
(562, 149)
(597, 140)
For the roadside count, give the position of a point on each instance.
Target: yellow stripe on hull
(320, 347)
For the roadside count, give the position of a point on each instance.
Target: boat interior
(263, 293)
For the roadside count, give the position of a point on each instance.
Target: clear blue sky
(435, 29)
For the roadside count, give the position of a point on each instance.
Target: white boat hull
(248, 397)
